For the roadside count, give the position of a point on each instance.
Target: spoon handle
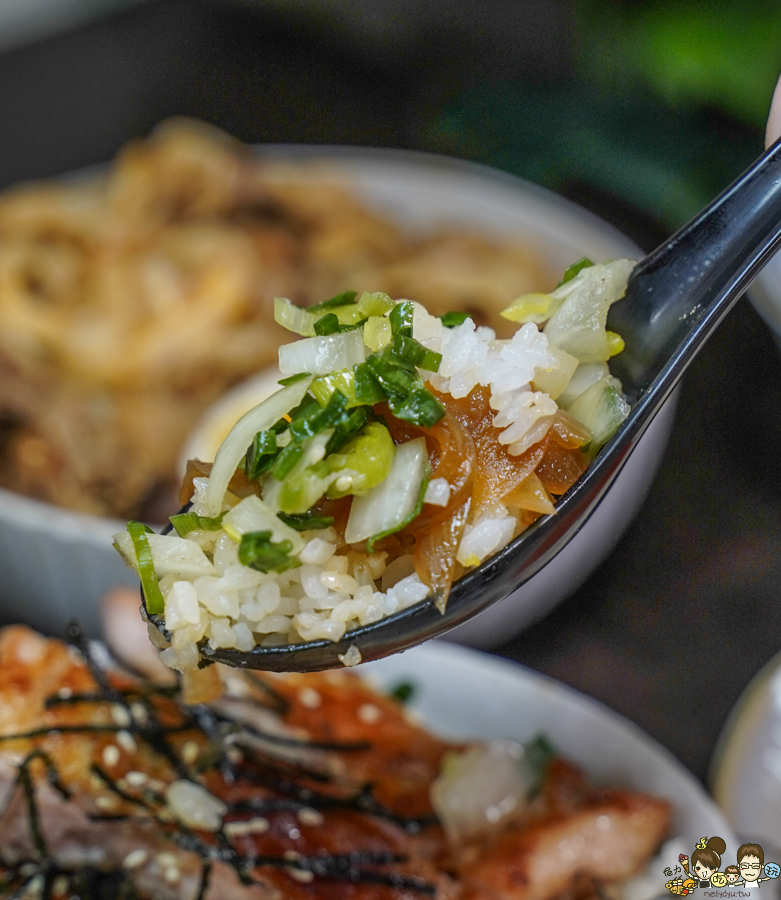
(679, 293)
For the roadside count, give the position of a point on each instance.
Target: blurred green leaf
(667, 163)
(723, 54)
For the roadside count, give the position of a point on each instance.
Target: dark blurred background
(641, 111)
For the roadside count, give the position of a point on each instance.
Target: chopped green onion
(186, 522)
(421, 407)
(261, 454)
(329, 324)
(401, 318)
(367, 388)
(377, 304)
(346, 298)
(286, 460)
(571, 271)
(258, 551)
(413, 352)
(323, 387)
(315, 420)
(347, 427)
(539, 752)
(155, 604)
(292, 379)
(306, 521)
(404, 691)
(452, 319)
(377, 332)
(394, 375)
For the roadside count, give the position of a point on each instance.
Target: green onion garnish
(258, 551)
(413, 352)
(315, 419)
(404, 691)
(401, 318)
(286, 460)
(420, 408)
(292, 379)
(306, 521)
(539, 753)
(329, 324)
(155, 604)
(571, 271)
(367, 389)
(452, 319)
(186, 522)
(261, 454)
(346, 298)
(393, 374)
(348, 426)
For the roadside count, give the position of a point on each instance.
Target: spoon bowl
(676, 297)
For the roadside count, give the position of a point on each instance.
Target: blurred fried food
(130, 300)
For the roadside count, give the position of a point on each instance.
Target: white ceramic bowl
(462, 694)
(746, 769)
(56, 564)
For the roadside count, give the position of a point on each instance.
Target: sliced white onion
(481, 789)
(294, 318)
(438, 492)
(554, 380)
(583, 377)
(170, 555)
(252, 514)
(578, 325)
(323, 355)
(240, 437)
(386, 506)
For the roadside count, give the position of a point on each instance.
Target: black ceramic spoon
(676, 297)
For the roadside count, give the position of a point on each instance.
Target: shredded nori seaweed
(289, 780)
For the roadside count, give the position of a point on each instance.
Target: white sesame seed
(172, 874)
(344, 483)
(105, 802)
(164, 860)
(136, 779)
(134, 859)
(235, 755)
(258, 825)
(190, 752)
(293, 833)
(309, 816)
(110, 755)
(302, 875)
(236, 687)
(369, 713)
(310, 698)
(120, 715)
(139, 712)
(236, 829)
(65, 693)
(127, 742)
